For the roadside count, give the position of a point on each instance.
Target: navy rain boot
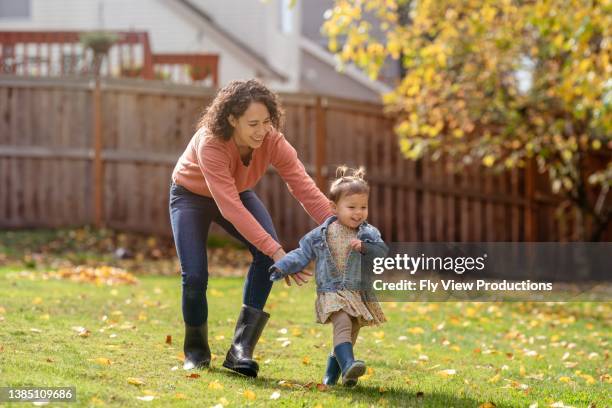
(351, 369)
(332, 372)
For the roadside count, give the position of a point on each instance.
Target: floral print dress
(367, 313)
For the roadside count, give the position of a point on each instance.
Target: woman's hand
(299, 278)
(356, 244)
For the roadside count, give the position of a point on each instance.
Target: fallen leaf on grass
(96, 401)
(447, 372)
(322, 387)
(379, 334)
(560, 404)
(565, 379)
(135, 381)
(102, 361)
(306, 360)
(487, 405)
(168, 339)
(33, 330)
(275, 395)
(180, 395)
(147, 398)
(37, 301)
(193, 375)
(494, 379)
(81, 331)
(250, 395)
(215, 385)
(415, 330)
(285, 384)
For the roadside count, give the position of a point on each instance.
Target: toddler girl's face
(351, 210)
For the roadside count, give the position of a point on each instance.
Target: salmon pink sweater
(212, 167)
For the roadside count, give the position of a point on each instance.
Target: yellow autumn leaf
(565, 379)
(447, 372)
(180, 395)
(416, 330)
(306, 360)
(494, 379)
(135, 381)
(488, 160)
(215, 385)
(487, 405)
(379, 334)
(250, 395)
(596, 144)
(37, 301)
(102, 361)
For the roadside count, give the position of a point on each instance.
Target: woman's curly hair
(234, 99)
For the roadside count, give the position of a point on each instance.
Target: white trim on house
(350, 70)
(203, 21)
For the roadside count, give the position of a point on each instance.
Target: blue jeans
(190, 216)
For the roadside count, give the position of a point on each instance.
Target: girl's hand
(299, 278)
(356, 244)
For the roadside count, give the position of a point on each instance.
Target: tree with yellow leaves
(499, 83)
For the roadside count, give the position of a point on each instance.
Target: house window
(286, 16)
(15, 9)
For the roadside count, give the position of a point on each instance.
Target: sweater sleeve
(285, 159)
(213, 161)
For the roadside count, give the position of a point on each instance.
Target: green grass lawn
(427, 355)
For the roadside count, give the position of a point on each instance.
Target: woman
(237, 139)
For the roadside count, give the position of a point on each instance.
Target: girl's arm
(295, 261)
(373, 245)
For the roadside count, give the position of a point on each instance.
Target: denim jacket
(314, 246)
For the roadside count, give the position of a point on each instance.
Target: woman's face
(252, 127)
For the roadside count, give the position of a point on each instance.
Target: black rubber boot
(249, 326)
(351, 369)
(332, 372)
(195, 347)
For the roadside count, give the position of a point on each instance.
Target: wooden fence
(48, 160)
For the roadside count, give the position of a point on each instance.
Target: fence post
(98, 169)
(320, 142)
(530, 175)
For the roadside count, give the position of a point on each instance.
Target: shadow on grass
(368, 394)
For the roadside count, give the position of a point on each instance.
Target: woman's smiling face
(252, 127)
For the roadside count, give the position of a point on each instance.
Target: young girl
(338, 246)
